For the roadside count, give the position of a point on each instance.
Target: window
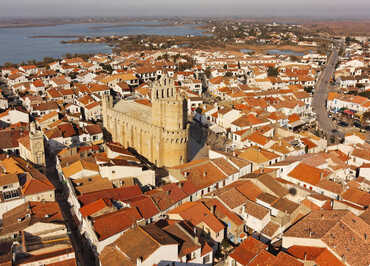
(10, 194)
(206, 259)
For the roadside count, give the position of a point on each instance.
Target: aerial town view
(198, 133)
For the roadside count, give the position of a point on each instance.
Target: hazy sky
(331, 8)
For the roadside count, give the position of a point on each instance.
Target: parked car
(357, 124)
(343, 124)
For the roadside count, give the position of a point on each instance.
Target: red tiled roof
(326, 258)
(122, 194)
(197, 212)
(145, 205)
(307, 173)
(113, 223)
(247, 250)
(305, 252)
(94, 207)
(36, 183)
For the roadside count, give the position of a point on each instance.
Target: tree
(228, 74)
(360, 86)
(108, 68)
(366, 116)
(272, 72)
(207, 72)
(8, 64)
(294, 58)
(308, 89)
(348, 40)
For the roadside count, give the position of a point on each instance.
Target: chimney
(321, 175)
(139, 260)
(205, 173)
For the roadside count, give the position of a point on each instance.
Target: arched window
(168, 92)
(157, 94)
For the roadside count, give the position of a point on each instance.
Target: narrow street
(321, 95)
(84, 255)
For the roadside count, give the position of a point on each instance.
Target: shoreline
(55, 36)
(136, 25)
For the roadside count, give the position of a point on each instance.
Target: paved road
(84, 254)
(321, 95)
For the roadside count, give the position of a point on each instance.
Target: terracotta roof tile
(307, 174)
(249, 190)
(326, 258)
(94, 207)
(247, 250)
(110, 224)
(197, 212)
(145, 206)
(256, 210)
(121, 194)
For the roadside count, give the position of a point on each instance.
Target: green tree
(228, 74)
(306, 149)
(294, 58)
(365, 94)
(207, 72)
(272, 72)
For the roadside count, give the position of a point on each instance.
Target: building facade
(157, 130)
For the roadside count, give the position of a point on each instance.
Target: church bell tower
(37, 145)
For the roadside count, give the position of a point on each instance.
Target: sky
(256, 8)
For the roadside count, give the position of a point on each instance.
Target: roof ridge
(151, 237)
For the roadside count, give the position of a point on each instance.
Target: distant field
(341, 27)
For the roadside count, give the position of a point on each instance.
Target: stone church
(157, 130)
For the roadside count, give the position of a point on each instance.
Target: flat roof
(135, 110)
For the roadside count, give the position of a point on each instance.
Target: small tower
(168, 107)
(169, 116)
(37, 146)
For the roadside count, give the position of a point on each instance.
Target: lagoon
(278, 52)
(17, 44)
(286, 52)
